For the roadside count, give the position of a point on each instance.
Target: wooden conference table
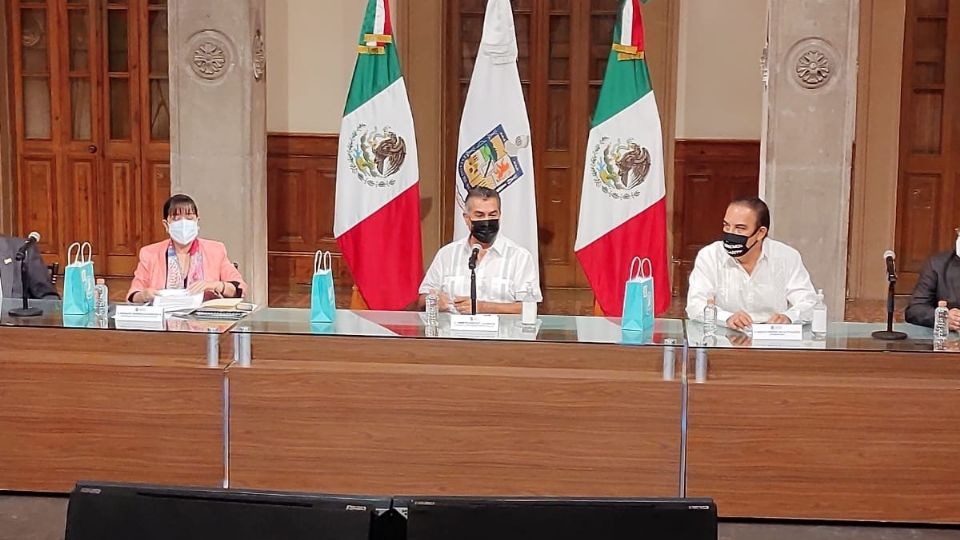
(846, 428)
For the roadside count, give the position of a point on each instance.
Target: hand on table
(954, 319)
(462, 305)
(147, 295)
(780, 318)
(443, 301)
(740, 320)
(204, 286)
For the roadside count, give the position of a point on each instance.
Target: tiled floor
(44, 518)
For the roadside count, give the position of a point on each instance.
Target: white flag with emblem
(494, 147)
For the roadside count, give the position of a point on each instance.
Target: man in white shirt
(506, 272)
(751, 277)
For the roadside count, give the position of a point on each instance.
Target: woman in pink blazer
(185, 261)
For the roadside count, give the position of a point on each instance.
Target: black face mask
(736, 244)
(485, 231)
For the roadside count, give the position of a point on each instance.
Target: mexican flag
(377, 216)
(623, 211)
(494, 147)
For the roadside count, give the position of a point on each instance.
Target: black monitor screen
(559, 519)
(115, 512)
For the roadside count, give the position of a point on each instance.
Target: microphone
(889, 334)
(474, 255)
(32, 239)
(890, 258)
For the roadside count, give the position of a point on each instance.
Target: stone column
(808, 129)
(218, 126)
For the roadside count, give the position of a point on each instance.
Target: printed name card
(475, 323)
(781, 332)
(132, 312)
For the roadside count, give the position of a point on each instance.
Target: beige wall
(310, 57)
(719, 91)
(311, 50)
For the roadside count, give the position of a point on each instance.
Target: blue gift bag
(638, 296)
(323, 301)
(78, 280)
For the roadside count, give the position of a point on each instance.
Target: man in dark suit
(939, 280)
(38, 279)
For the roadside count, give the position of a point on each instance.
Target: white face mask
(958, 246)
(184, 231)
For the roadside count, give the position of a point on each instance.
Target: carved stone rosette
(814, 63)
(210, 55)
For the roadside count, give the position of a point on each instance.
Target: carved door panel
(92, 125)
(36, 94)
(928, 199)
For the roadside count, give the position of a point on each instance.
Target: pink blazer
(151, 273)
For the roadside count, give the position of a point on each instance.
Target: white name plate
(475, 323)
(130, 312)
(780, 332)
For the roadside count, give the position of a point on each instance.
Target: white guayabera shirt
(779, 284)
(503, 275)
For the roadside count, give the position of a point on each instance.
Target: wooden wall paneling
(83, 405)
(709, 174)
(403, 416)
(301, 190)
(832, 436)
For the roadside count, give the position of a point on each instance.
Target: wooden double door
(929, 181)
(563, 50)
(91, 101)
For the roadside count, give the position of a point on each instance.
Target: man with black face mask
(752, 278)
(505, 270)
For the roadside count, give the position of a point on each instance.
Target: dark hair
(179, 204)
(481, 192)
(760, 209)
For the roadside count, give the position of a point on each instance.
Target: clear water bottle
(101, 299)
(528, 310)
(941, 326)
(433, 308)
(710, 318)
(819, 325)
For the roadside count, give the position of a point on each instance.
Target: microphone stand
(473, 285)
(889, 334)
(26, 311)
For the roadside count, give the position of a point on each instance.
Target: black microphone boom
(26, 311)
(889, 334)
(473, 278)
(473, 257)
